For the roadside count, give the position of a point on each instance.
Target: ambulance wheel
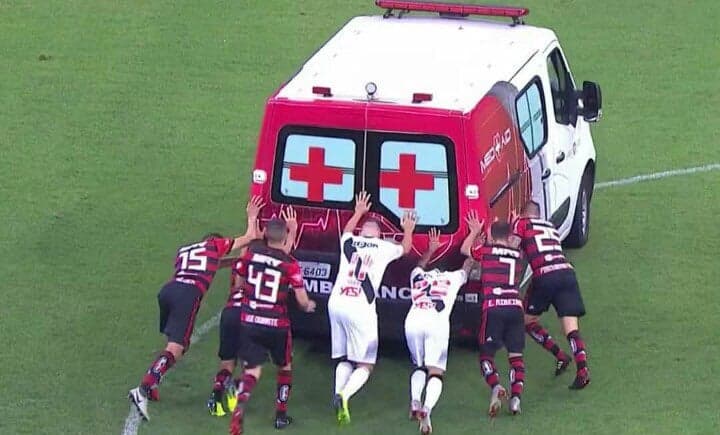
(580, 230)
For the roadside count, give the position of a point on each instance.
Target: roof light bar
(457, 9)
(322, 90)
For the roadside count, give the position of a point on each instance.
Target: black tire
(580, 230)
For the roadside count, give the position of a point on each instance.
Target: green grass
(137, 135)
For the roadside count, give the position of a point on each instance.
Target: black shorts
(179, 304)
(500, 327)
(559, 289)
(230, 330)
(258, 341)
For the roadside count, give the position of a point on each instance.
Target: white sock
(432, 392)
(342, 373)
(417, 384)
(357, 379)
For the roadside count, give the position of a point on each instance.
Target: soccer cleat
(236, 422)
(514, 405)
(138, 398)
(215, 403)
(425, 423)
(561, 365)
(581, 381)
(341, 409)
(282, 421)
(498, 395)
(415, 408)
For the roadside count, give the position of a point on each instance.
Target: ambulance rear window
(327, 167)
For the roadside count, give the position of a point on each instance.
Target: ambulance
(434, 107)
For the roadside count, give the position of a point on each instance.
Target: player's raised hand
(362, 203)
(254, 205)
(434, 239)
(474, 223)
(408, 221)
(290, 216)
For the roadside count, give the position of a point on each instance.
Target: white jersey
(363, 261)
(427, 325)
(435, 291)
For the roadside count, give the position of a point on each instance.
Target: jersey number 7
(266, 282)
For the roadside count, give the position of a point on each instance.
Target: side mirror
(591, 102)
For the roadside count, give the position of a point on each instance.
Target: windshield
(325, 167)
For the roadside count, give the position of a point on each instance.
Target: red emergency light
(420, 97)
(457, 9)
(322, 90)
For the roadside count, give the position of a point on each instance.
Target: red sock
(487, 366)
(284, 385)
(248, 384)
(543, 338)
(578, 347)
(220, 379)
(517, 375)
(155, 373)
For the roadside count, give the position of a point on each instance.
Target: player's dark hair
(531, 208)
(275, 230)
(212, 236)
(500, 230)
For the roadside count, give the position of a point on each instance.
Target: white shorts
(427, 338)
(353, 332)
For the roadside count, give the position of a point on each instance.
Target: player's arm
(433, 245)
(290, 217)
(475, 225)
(253, 230)
(362, 206)
(408, 222)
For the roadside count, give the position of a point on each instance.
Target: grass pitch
(127, 128)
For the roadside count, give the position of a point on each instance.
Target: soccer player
(179, 301)
(224, 392)
(269, 275)
(427, 330)
(501, 268)
(553, 283)
(351, 307)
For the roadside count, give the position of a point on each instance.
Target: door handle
(545, 175)
(560, 157)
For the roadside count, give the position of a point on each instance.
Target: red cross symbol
(407, 180)
(316, 174)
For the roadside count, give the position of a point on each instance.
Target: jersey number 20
(266, 282)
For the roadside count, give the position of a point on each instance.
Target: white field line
(658, 175)
(133, 420)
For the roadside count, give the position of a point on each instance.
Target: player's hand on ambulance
(408, 221)
(253, 208)
(289, 215)
(310, 307)
(475, 225)
(434, 239)
(362, 203)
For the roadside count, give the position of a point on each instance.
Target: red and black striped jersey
(541, 243)
(269, 276)
(501, 270)
(197, 263)
(235, 297)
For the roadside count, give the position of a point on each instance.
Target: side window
(561, 87)
(315, 168)
(532, 123)
(417, 175)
